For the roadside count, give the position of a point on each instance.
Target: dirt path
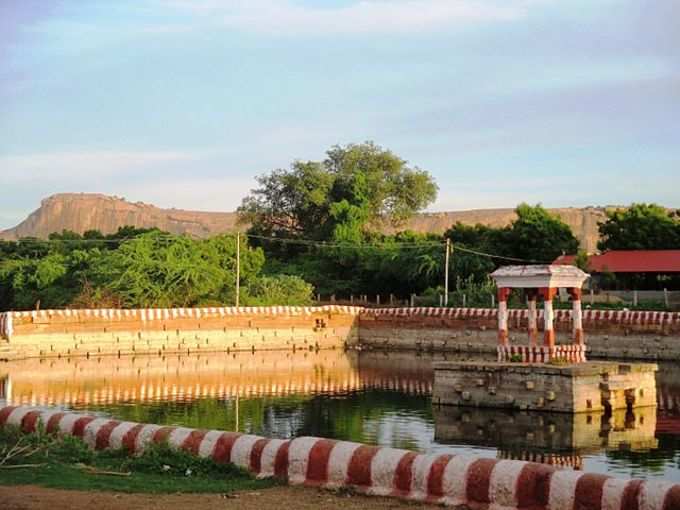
(279, 498)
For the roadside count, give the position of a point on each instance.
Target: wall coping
(456, 480)
(625, 317)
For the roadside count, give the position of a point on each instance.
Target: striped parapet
(572, 353)
(456, 480)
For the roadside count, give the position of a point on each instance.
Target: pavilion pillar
(548, 294)
(577, 315)
(532, 316)
(503, 294)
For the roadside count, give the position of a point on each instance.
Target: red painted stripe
(29, 421)
(317, 464)
(104, 433)
(80, 424)
(281, 461)
(403, 474)
(4, 413)
(533, 486)
(222, 452)
(359, 469)
(479, 479)
(435, 478)
(588, 492)
(672, 501)
(53, 423)
(129, 440)
(630, 499)
(256, 455)
(162, 434)
(193, 441)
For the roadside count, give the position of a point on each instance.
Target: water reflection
(553, 438)
(372, 397)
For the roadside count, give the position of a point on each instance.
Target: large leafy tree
(538, 235)
(356, 186)
(159, 270)
(640, 227)
(534, 236)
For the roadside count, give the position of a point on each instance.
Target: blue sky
(182, 102)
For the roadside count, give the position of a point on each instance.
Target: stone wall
(621, 334)
(591, 387)
(193, 330)
(445, 479)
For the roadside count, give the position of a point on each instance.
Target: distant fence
(651, 299)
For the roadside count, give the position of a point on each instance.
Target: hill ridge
(95, 211)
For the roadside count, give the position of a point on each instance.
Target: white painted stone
(503, 484)
(268, 458)
(117, 434)
(563, 489)
(455, 480)
(383, 468)
(652, 495)
(338, 462)
(298, 458)
(207, 446)
(240, 451)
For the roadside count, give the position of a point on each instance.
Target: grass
(67, 463)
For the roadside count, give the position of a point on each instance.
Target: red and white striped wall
(574, 353)
(629, 318)
(478, 483)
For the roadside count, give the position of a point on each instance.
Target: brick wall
(626, 334)
(639, 335)
(125, 332)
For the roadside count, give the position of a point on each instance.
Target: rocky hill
(81, 211)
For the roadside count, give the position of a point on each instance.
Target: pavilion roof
(535, 276)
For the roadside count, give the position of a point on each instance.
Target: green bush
(278, 290)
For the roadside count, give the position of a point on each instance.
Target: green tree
(640, 227)
(278, 290)
(356, 186)
(155, 269)
(538, 235)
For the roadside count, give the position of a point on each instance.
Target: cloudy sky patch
(183, 102)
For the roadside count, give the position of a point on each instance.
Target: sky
(181, 103)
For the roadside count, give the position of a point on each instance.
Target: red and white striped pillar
(577, 315)
(503, 294)
(548, 294)
(532, 316)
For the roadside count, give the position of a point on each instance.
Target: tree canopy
(357, 185)
(144, 269)
(640, 227)
(534, 236)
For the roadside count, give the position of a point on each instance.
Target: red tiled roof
(630, 261)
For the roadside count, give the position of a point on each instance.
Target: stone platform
(574, 388)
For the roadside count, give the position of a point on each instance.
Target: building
(632, 269)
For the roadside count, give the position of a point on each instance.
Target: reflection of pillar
(503, 294)
(531, 306)
(6, 392)
(577, 315)
(548, 294)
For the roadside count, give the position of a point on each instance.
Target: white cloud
(62, 166)
(285, 17)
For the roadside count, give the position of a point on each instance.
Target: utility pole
(446, 273)
(238, 267)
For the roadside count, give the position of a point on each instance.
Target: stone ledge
(454, 480)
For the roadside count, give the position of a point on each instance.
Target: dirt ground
(29, 497)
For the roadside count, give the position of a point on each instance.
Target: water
(369, 397)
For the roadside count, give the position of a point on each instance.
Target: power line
(417, 245)
(502, 257)
(398, 244)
